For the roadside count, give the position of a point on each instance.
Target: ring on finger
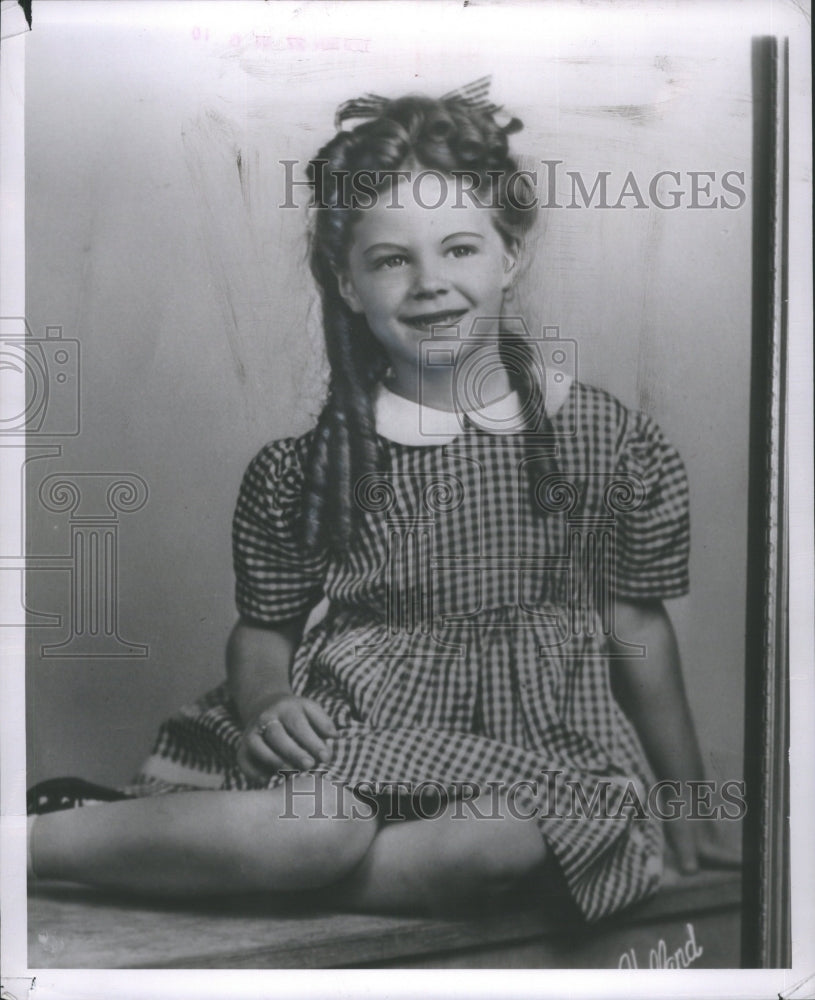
(261, 729)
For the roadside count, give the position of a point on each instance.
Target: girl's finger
(262, 755)
(300, 728)
(320, 719)
(275, 736)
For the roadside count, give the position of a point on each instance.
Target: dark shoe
(68, 793)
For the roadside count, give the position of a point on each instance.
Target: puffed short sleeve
(276, 579)
(653, 529)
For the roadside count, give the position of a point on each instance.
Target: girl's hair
(450, 134)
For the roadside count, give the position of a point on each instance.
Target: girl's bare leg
(435, 865)
(205, 842)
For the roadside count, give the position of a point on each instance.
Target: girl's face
(414, 267)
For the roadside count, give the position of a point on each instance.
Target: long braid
(356, 437)
(529, 380)
(344, 446)
(316, 494)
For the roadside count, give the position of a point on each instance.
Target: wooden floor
(696, 918)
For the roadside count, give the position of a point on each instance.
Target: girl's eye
(463, 250)
(391, 261)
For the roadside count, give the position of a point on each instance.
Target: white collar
(407, 422)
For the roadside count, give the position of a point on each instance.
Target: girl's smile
(412, 268)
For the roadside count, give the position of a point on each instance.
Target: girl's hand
(704, 843)
(288, 733)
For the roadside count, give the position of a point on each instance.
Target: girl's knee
(331, 832)
(501, 857)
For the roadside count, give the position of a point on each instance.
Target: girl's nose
(428, 281)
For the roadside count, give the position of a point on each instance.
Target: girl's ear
(512, 252)
(348, 292)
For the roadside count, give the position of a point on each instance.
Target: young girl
(489, 535)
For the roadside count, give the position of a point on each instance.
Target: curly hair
(449, 135)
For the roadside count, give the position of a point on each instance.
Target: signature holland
(660, 958)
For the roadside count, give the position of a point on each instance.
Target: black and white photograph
(407, 499)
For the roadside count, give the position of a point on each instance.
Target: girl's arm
(281, 729)
(257, 664)
(651, 692)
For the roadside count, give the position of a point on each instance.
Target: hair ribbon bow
(473, 96)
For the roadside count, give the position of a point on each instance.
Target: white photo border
(789, 398)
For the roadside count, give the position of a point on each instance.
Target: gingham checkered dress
(466, 634)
